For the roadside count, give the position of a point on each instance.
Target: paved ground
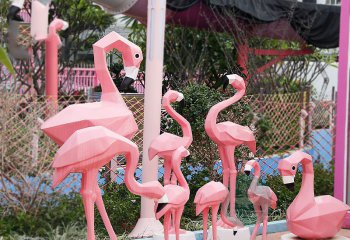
(277, 236)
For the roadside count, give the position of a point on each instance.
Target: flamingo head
(235, 81)
(249, 166)
(132, 58)
(289, 165)
(172, 96)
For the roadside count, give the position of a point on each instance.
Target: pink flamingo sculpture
(211, 195)
(310, 217)
(111, 112)
(177, 195)
(262, 198)
(86, 151)
(227, 136)
(165, 144)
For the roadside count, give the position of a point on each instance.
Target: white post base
(184, 236)
(227, 234)
(291, 236)
(146, 227)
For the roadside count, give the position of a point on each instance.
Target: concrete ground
(277, 236)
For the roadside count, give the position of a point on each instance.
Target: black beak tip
(160, 206)
(290, 186)
(126, 83)
(225, 82)
(247, 172)
(234, 232)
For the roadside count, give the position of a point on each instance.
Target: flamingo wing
(84, 144)
(163, 143)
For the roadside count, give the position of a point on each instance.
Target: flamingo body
(308, 216)
(116, 117)
(164, 145)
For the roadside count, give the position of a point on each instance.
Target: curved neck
(306, 195)
(254, 184)
(210, 121)
(185, 125)
(180, 177)
(256, 170)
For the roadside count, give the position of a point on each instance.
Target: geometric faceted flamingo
(86, 151)
(177, 195)
(165, 144)
(211, 195)
(111, 112)
(262, 198)
(308, 216)
(228, 135)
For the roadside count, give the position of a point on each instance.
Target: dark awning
(317, 24)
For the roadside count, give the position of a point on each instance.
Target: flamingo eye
(293, 168)
(137, 55)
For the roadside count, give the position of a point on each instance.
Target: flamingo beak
(247, 169)
(180, 97)
(288, 181)
(225, 82)
(130, 76)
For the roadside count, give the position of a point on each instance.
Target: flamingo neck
(306, 195)
(180, 177)
(210, 121)
(253, 185)
(185, 125)
(109, 90)
(256, 170)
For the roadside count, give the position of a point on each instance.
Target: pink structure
(308, 216)
(262, 198)
(166, 144)
(211, 195)
(341, 167)
(52, 43)
(86, 151)
(112, 111)
(227, 136)
(177, 195)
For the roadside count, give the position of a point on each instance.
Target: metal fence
(26, 153)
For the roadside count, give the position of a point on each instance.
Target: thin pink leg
(166, 225)
(177, 221)
(258, 221)
(167, 171)
(265, 218)
(104, 216)
(205, 223)
(89, 196)
(229, 154)
(214, 216)
(225, 168)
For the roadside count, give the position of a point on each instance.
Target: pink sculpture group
(308, 216)
(91, 134)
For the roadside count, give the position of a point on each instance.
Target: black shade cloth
(317, 24)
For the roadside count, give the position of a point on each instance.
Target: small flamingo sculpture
(228, 136)
(211, 195)
(86, 151)
(310, 217)
(177, 195)
(262, 198)
(165, 144)
(111, 112)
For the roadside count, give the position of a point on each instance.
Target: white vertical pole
(147, 225)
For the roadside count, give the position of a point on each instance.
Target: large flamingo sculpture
(310, 217)
(165, 144)
(262, 198)
(227, 136)
(211, 195)
(177, 195)
(111, 112)
(86, 151)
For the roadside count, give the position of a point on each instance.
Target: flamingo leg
(205, 223)
(104, 216)
(166, 225)
(167, 171)
(258, 221)
(88, 194)
(225, 168)
(265, 218)
(214, 216)
(229, 155)
(177, 221)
